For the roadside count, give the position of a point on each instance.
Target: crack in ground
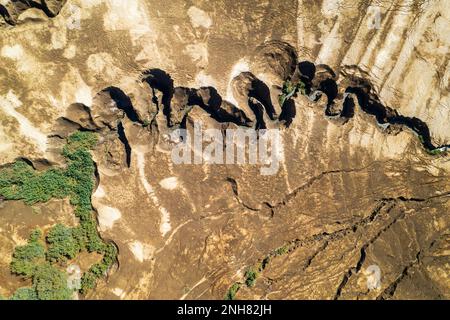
(290, 196)
(385, 203)
(355, 270)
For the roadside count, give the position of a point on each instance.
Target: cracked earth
(364, 177)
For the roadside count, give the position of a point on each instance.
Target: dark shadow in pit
(44, 7)
(214, 106)
(330, 89)
(160, 80)
(258, 109)
(307, 72)
(261, 92)
(348, 108)
(416, 125)
(288, 113)
(5, 15)
(123, 138)
(370, 104)
(123, 102)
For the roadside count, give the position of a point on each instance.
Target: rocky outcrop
(362, 188)
(12, 9)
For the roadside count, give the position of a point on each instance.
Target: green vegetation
(25, 258)
(25, 294)
(76, 182)
(63, 243)
(250, 277)
(252, 274)
(438, 151)
(290, 89)
(22, 182)
(48, 283)
(145, 123)
(231, 294)
(282, 250)
(51, 283)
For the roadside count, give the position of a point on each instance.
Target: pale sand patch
(199, 18)
(198, 53)
(102, 64)
(5, 142)
(84, 95)
(241, 66)
(59, 35)
(70, 52)
(118, 292)
(164, 226)
(99, 193)
(107, 216)
(74, 89)
(26, 63)
(169, 183)
(193, 287)
(8, 104)
(204, 80)
(128, 15)
(330, 8)
(141, 251)
(74, 277)
(12, 52)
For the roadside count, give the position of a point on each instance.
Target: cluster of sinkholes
(278, 62)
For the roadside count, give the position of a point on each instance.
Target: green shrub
(63, 243)
(51, 283)
(250, 277)
(25, 258)
(282, 250)
(98, 270)
(88, 282)
(25, 294)
(21, 182)
(81, 140)
(289, 90)
(231, 294)
(439, 151)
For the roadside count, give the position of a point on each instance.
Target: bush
(25, 294)
(21, 182)
(289, 90)
(51, 283)
(63, 243)
(25, 258)
(231, 294)
(250, 277)
(282, 250)
(28, 261)
(88, 282)
(81, 140)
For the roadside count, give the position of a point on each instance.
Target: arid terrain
(358, 90)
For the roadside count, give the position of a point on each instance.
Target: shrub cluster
(48, 282)
(76, 182)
